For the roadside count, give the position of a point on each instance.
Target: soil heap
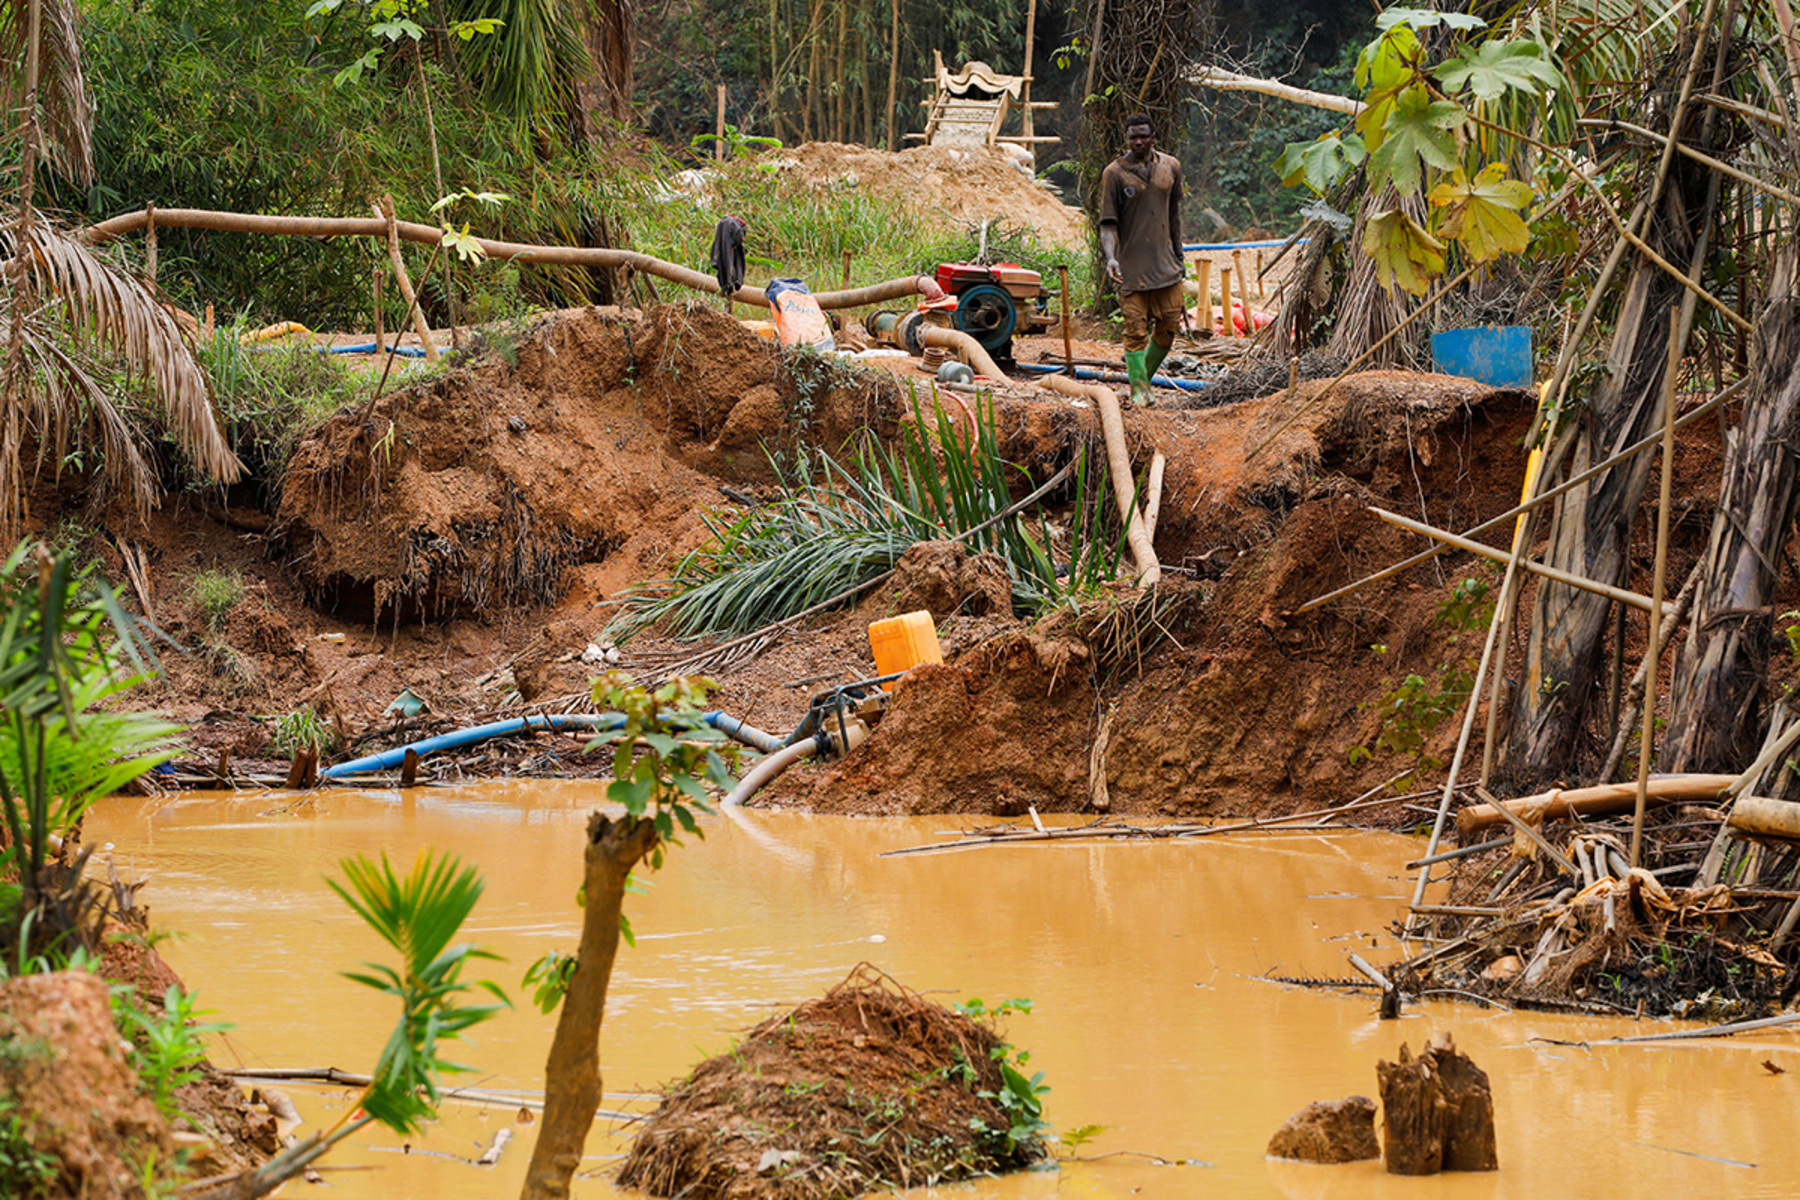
(869, 1087)
(968, 184)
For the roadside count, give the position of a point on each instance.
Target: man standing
(1140, 234)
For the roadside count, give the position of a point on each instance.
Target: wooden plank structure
(970, 107)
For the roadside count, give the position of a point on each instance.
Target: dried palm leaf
(67, 116)
(110, 308)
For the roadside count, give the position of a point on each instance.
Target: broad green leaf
(1425, 18)
(1389, 60)
(1417, 128)
(1320, 163)
(634, 794)
(1484, 216)
(1405, 253)
(1494, 68)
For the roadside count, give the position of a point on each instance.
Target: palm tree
(63, 302)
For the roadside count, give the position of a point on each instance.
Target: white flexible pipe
(768, 769)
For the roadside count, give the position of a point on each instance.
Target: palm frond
(67, 117)
(108, 306)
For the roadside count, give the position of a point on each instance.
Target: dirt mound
(968, 184)
(870, 1087)
(85, 1129)
(483, 489)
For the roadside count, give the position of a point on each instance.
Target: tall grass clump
(837, 526)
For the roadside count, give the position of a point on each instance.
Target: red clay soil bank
(1240, 709)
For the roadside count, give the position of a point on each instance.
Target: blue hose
(1168, 381)
(373, 348)
(1242, 245)
(387, 760)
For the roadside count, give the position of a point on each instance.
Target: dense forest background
(577, 110)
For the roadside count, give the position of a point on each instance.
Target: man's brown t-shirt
(1145, 203)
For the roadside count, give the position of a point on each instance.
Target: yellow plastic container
(903, 642)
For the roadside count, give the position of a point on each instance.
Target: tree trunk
(1590, 534)
(604, 95)
(1716, 696)
(1437, 1112)
(572, 1074)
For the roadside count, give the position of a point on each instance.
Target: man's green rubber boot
(1153, 357)
(1137, 371)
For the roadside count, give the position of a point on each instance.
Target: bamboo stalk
(1602, 799)
(1062, 275)
(1659, 580)
(719, 132)
(1229, 324)
(1536, 568)
(1203, 277)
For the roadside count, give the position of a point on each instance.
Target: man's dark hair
(1138, 118)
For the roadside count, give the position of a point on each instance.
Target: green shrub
(213, 593)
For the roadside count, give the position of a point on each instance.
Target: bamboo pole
(376, 288)
(893, 69)
(719, 130)
(1503, 612)
(1601, 800)
(1659, 579)
(1225, 316)
(1536, 568)
(1543, 498)
(1203, 277)
(1028, 125)
(150, 245)
(385, 210)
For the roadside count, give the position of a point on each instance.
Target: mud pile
(870, 1087)
(83, 1126)
(492, 486)
(967, 184)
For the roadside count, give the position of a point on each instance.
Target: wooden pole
(1087, 85)
(385, 210)
(380, 333)
(893, 70)
(1225, 316)
(846, 270)
(1062, 276)
(1659, 580)
(1029, 125)
(719, 130)
(1203, 277)
(1575, 581)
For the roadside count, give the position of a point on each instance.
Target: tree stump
(1437, 1112)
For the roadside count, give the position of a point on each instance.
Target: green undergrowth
(836, 526)
(796, 232)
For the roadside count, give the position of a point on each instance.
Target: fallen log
(1605, 799)
(1760, 816)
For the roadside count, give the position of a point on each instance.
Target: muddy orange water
(1142, 962)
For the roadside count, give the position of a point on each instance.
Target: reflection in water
(1142, 960)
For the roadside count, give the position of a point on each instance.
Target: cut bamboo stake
(1659, 581)
(1225, 319)
(1243, 281)
(1203, 277)
(1536, 568)
(385, 210)
(1153, 495)
(1541, 499)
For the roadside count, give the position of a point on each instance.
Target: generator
(992, 304)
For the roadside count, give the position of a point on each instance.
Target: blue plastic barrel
(1497, 355)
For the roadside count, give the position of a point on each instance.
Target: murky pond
(1142, 960)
